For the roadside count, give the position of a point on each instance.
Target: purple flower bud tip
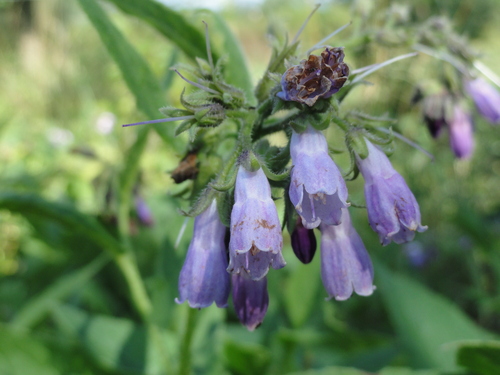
(303, 242)
(393, 211)
(345, 263)
(461, 133)
(314, 78)
(203, 278)
(317, 189)
(486, 98)
(143, 212)
(256, 238)
(250, 299)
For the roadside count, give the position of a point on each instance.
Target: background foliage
(85, 288)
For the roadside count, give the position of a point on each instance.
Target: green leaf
(334, 370)
(168, 22)
(427, 323)
(300, 296)
(35, 309)
(117, 344)
(235, 71)
(32, 204)
(482, 357)
(136, 72)
(352, 371)
(22, 355)
(246, 358)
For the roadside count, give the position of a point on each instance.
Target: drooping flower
(314, 78)
(143, 211)
(393, 211)
(486, 98)
(256, 238)
(435, 108)
(345, 263)
(303, 242)
(461, 133)
(203, 278)
(317, 189)
(250, 299)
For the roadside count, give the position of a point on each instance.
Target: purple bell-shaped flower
(486, 98)
(393, 211)
(461, 133)
(203, 278)
(256, 238)
(250, 299)
(317, 188)
(345, 263)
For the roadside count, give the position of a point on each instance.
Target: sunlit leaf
(428, 324)
(170, 23)
(22, 355)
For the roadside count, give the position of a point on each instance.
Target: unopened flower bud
(303, 242)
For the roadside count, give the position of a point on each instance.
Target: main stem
(185, 350)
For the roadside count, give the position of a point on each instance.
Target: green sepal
(227, 184)
(298, 125)
(175, 112)
(290, 218)
(356, 143)
(273, 176)
(320, 121)
(225, 203)
(199, 114)
(185, 125)
(352, 169)
(201, 204)
(204, 67)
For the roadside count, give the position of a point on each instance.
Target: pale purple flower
(203, 278)
(256, 238)
(485, 97)
(250, 299)
(303, 242)
(461, 133)
(345, 263)
(317, 189)
(143, 211)
(393, 211)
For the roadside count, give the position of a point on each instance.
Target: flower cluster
(237, 235)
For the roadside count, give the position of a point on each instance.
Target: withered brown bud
(187, 168)
(314, 78)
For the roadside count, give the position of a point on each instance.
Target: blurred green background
(86, 288)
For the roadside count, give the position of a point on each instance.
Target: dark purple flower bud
(393, 211)
(345, 263)
(486, 98)
(303, 242)
(314, 78)
(250, 299)
(256, 238)
(143, 211)
(317, 189)
(435, 110)
(461, 133)
(203, 277)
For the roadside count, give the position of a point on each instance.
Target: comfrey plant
(447, 107)
(237, 235)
